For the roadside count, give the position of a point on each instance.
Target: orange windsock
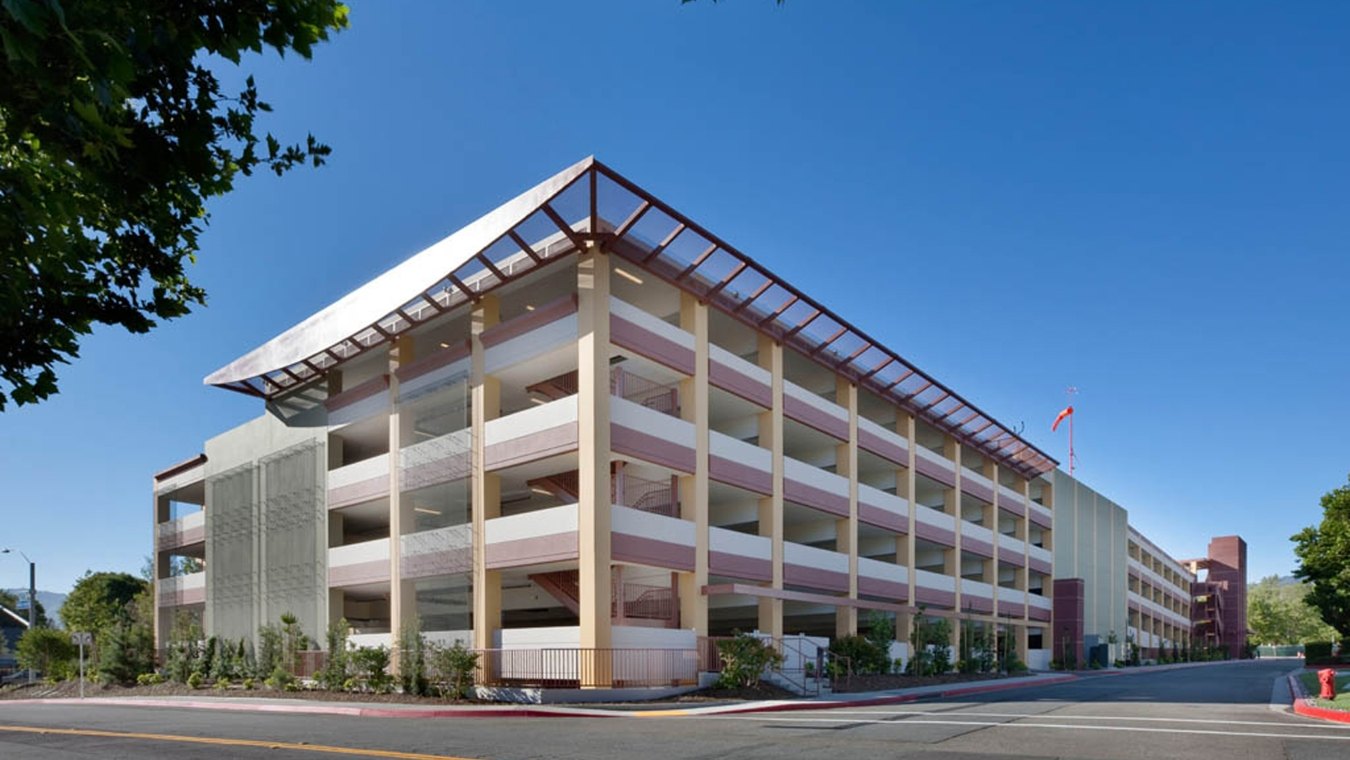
(1068, 410)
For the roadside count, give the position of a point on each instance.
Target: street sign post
(82, 639)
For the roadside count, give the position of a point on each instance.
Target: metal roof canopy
(591, 202)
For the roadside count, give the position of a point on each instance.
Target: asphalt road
(1216, 712)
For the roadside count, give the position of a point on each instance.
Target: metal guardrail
(664, 398)
(656, 496)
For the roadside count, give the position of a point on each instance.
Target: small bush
(455, 667)
(1314, 651)
(864, 655)
(222, 683)
(48, 651)
(372, 667)
(194, 681)
(280, 679)
(249, 684)
(412, 660)
(149, 679)
(744, 660)
(333, 675)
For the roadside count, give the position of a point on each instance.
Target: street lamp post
(32, 597)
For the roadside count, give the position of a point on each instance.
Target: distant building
(1220, 591)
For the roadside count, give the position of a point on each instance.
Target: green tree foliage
(47, 651)
(293, 642)
(115, 131)
(126, 650)
(184, 655)
(412, 660)
(1279, 613)
(269, 654)
(333, 674)
(1324, 555)
(930, 646)
(100, 602)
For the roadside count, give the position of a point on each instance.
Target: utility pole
(32, 598)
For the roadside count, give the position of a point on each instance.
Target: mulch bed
(714, 694)
(891, 682)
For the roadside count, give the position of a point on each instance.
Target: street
(1204, 712)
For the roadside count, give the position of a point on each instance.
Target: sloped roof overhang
(589, 203)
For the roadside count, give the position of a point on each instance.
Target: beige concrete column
(484, 489)
(771, 509)
(159, 507)
(904, 482)
(593, 455)
(846, 530)
(402, 598)
(952, 450)
(694, 488)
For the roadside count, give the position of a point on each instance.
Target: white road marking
(993, 724)
(1046, 716)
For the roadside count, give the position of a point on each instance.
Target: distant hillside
(50, 600)
(1284, 580)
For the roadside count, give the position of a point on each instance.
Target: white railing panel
(541, 522)
(530, 421)
(355, 554)
(740, 544)
(935, 581)
(810, 556)
(357, 472)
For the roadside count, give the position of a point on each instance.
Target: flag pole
(1069, 393)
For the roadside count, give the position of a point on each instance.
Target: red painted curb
(1302, 705)
(898, 699)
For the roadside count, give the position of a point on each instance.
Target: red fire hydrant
(1328, 678)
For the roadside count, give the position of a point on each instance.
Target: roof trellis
(591, 202)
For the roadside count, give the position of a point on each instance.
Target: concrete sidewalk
(387, 710)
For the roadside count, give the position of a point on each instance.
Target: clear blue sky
(1149, 201)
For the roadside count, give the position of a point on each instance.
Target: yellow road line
(228, 742)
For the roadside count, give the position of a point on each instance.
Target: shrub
(269, 650)
(372, 667)
(744, 658)
(149, 679)
(333, 674)
(293, 641)
(977, 649)
(194, 681)
(930, 646)
(222, 683)
(455, 667)
(412, 660)
(249, 684)
(48, 651)
(864, 655)
(281, 678)
(1314, 651)
(209, 667)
